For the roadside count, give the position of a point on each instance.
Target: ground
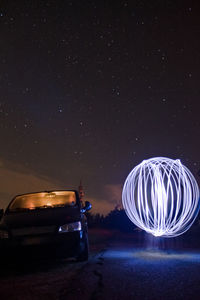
(120, 266)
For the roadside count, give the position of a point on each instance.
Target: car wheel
(83, 249)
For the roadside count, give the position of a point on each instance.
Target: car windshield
(43, 200)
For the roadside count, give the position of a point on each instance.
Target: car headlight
(76, 226)
(3, 234)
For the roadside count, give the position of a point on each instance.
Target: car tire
(83, 249)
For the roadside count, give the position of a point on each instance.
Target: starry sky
(88, 89)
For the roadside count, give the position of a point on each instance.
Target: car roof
(49, 191)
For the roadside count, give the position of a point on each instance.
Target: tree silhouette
(115, 220)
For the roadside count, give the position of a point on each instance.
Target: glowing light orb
(161, 196)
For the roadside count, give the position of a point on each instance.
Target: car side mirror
(1, 213)
(87, 207)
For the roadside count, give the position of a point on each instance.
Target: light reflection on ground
(153, 255)
(162, 255)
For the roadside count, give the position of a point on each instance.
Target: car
(48, 222)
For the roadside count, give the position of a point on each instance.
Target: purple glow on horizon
(161, 196)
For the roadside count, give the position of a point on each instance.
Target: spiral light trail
(161, 196)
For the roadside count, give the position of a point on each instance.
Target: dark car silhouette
(50, 222)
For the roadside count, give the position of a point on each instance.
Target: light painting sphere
(161, 196)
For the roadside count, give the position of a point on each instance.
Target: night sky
(88, 89)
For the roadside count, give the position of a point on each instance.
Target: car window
(43, 200)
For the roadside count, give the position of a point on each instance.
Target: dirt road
(118, 269)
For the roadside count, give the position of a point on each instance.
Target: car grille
(33, 230)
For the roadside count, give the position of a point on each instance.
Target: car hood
(41, 217)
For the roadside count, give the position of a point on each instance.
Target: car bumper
(63, 244)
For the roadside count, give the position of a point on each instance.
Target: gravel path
(117, 270)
